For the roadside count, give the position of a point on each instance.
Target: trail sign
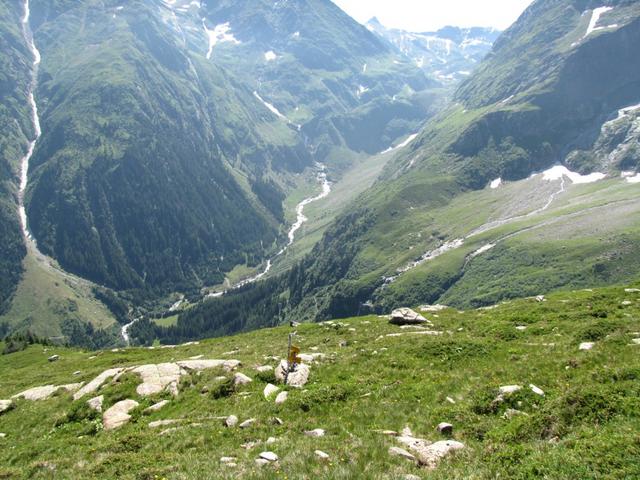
(293, 355)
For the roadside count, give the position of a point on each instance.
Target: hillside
(177, 139)
(526, 185)
(576, 416)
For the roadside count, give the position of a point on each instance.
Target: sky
(429, 15)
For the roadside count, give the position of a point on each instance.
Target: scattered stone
(271, 440)
(169, 430)
(297, 378)
(511, 413)
(401, 452)
(163, 423)
(540, 298)
(406, 316)
(264, 368)
(536, 390)
(157, 406)
(118, 414)
(269, 456)
(277, 421)
(635, 341)
(433, 308)
(3, 435)
(247, 423)
(231, 421)
(312, 357)
(411, 477)
(196, 357)
(343, 344)
(586, 346)
(281, 398)
(406, 432)
(389, 433)
(318, 432)
(427, 453)
(96, 403)
(227, 460)
(451, 400)
(445, 428)
(5, 405)
(261, 462)
(632, 290)
(77, 372)
(241, 379)
(248, 445)
(54, 358)
(521, 328)
(270, 390)
(626, 303)
(509, 389)
(321, 455)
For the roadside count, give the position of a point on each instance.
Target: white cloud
(426, 15)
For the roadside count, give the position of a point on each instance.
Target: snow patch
(634, 179)
(560, 171)
(271, 108)
(220, 34)
(595, 18)
(409, 139)
(496, 183)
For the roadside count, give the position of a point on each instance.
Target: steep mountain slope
(448, 55)
(570, 412)
(16, 129)
(174, 131)
(320, 70)
(459, 215)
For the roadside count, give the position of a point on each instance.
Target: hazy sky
(426, 15)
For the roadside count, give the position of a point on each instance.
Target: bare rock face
(118, 414)
(406, 316)
(298, 378)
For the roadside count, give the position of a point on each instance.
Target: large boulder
(118, 414)
(297, 378)
(406, 316)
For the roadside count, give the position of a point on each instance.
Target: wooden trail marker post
(292, 358)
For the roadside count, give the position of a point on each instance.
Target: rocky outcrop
(97, 382)
(118, 414)
(406, 316)
(46, 392)
(427, 453)
(96, 403)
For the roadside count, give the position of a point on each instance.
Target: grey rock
(231, 421)
(157, 406)
(401, 452)
(321, 455)
(54, 358)
(270, 390)
(96, 403)
(247, 423)
(261, 462)
(241, 379)
(406, 316)
(5, 405)
(281, 398)
(118, 414)
(297, 378)
(269, 456)
(445, 428)
(318, 432)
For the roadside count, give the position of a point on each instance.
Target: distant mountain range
(448, 55)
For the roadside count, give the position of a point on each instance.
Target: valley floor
(577, 414)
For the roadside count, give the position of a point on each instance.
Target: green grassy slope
(585, 426)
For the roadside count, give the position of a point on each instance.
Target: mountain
(530, 388)
(526, 184)
(448, 55)
(175, 132)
